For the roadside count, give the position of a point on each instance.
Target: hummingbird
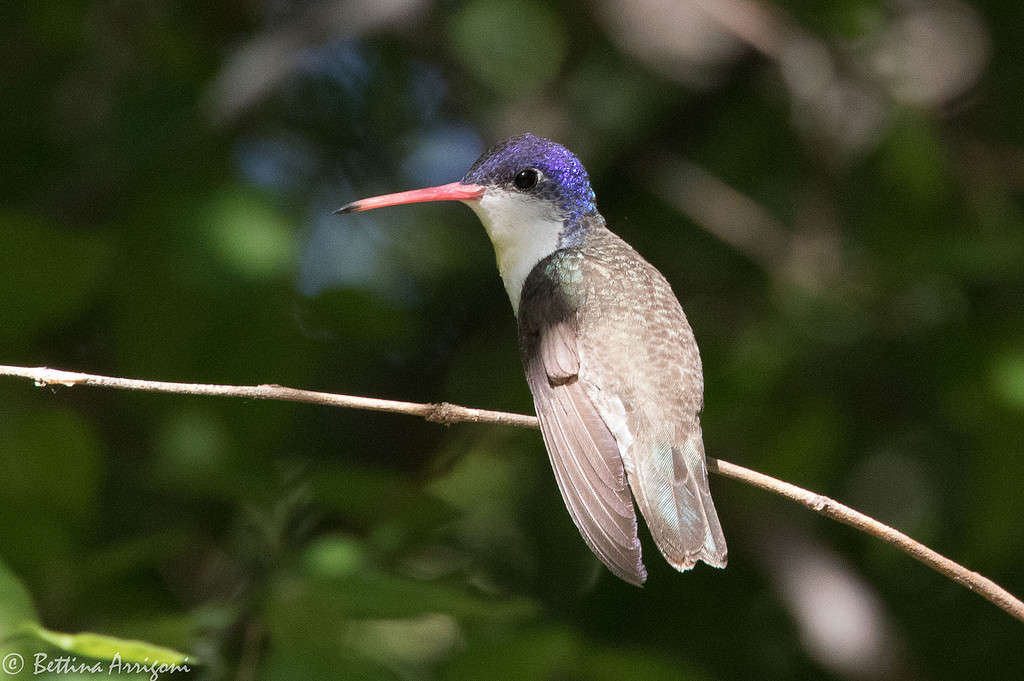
(609, 356)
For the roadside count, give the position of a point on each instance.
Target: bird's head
(531, 194)
(530, 169)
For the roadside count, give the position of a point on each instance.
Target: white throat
(524, 231)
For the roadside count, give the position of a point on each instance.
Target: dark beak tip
(346, 209)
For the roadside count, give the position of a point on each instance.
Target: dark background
(833, 190)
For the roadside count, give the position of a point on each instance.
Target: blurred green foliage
(168, 182)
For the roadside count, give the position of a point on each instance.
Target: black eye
(526, 179)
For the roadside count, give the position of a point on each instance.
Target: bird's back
(639, 366)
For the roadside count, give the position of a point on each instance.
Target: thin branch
(438, 413)
(450, 413)
(830, 508)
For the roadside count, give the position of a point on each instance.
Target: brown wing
(583, 452)
(641, 369)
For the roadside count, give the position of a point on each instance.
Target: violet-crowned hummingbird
(609, 356)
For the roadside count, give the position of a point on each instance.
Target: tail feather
(670, 485)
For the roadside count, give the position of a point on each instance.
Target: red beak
(456, 191)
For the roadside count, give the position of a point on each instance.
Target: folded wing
(584, 454)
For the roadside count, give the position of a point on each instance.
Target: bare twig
(441, 412)
(450, 413)
(830, 508)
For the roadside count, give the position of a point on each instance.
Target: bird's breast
(523, 232)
